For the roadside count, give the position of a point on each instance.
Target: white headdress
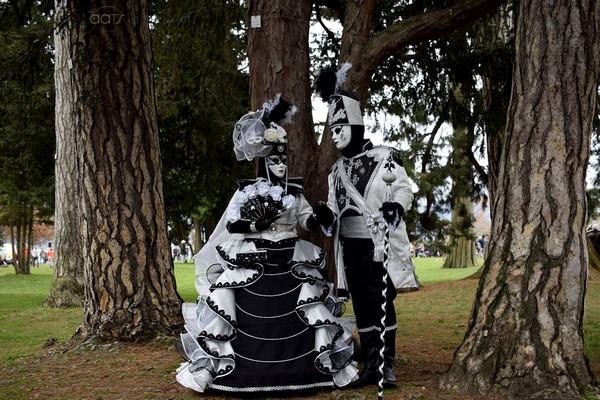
(259, 133)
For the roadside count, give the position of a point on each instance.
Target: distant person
(481, 246)
(35, 257)
(176, 252)
(43, 257)
(50, 255)
(184, 252)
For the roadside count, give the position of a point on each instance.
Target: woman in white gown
(266, 319)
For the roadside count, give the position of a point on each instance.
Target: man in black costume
(360, 207)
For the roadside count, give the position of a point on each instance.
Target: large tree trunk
(525, 336)
(279, 63)
(129, 279)
(67, 285)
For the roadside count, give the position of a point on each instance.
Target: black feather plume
(325, 83)
(278, 110)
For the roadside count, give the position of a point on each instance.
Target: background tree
(525, 335)
(129, 281)
(279, 58)
(67, 287)
(440, 91)
(201, 92)
(26, 134)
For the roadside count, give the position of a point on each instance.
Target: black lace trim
(319, 365)
(314, 263)
(220, 338)
(222, 313)
(257, 273)
(318, 323)
(309, 278)
(233, 262)
(225, 371)
(313, 300)
(202, 343)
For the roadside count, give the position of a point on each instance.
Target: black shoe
(368, 376)
(389, 379)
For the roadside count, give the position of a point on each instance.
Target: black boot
(389, 360)
(370, 345)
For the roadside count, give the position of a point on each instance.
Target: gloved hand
(264, 223)
(392, 213)
(323, 214)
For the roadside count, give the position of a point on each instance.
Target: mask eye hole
(276, 160)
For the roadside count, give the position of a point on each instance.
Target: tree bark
(462, 245)
(67, 288)
(279, 63)
(129, 279)
(525, 335)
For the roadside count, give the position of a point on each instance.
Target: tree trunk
(67, 288)
(462, 246)
(129, 279)
(525, 335)
(462, 238)
(496, 92)
(279, 63)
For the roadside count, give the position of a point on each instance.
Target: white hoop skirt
(269, 324)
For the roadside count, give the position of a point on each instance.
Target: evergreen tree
(26, 122)
(201, 92)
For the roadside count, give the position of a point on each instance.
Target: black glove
(264, 223)
(392, 212)
(312, 223)
(343, 295)
(323, 214)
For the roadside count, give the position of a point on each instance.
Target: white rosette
(263, 188)
(275, 192)
(233, 212)
(271, 135)
(251, 191)
(289, 201)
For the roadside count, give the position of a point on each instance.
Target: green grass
(429, 270)
(184, 276)
(25, 324)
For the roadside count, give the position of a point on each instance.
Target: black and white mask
(277, 165)
(341, 136)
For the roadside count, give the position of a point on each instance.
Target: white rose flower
(251, 191)
(240, 197)
(263, 188)
(271, 135)
(233, 213)
(275, 192)
(281, 134)
(289, 201)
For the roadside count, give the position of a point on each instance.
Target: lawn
(25, 325)
(432, 323)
